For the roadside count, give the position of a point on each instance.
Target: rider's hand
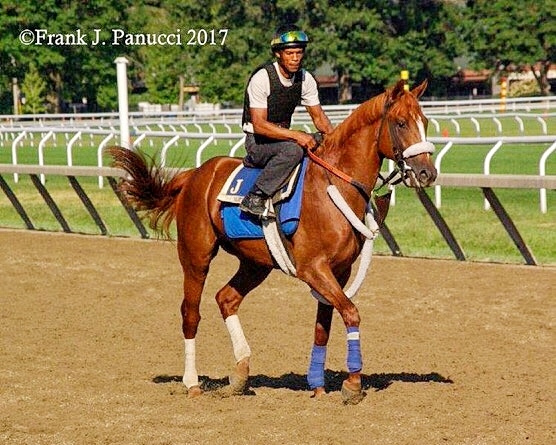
(306, 140)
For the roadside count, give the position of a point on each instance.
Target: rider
(272, 93)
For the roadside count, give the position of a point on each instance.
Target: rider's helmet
(288, 36)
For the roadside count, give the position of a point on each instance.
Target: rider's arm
(310, 99)
(320, 119)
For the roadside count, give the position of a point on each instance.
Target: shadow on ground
(298, 382)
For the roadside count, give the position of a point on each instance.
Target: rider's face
(289, 60)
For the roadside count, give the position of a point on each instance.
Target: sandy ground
(91, 352)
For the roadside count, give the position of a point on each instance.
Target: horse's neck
(357, 132)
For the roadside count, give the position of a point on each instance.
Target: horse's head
(402, 135)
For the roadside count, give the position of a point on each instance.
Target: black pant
(277, 158)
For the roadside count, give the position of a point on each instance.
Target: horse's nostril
(424, 175)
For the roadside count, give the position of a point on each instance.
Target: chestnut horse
(324, 246)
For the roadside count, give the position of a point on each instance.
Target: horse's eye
(402, 125)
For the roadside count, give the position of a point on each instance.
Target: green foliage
(525, 88)
(34, 89)
(363, 40)
(72, 71)
(512, 35)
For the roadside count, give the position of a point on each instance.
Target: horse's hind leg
(247, 278)
(194, 280)
(195, 255)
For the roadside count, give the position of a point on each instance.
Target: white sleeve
(309, 91)
(259, 89)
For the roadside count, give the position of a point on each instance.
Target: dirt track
(91, 352)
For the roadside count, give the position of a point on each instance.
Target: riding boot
(254, 203)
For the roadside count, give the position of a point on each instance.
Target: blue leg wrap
(354, 360)
(315, 376)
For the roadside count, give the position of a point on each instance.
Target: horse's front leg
(322, 280)
(315, 375)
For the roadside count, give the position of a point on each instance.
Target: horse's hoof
(238, 383)
(318, 393)
(194, 391)
(352, 396)
(236, 387)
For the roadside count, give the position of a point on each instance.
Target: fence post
(542, 172)
(198, 160)
(486, 165)
(99, 157)
(165, 149)
(121, 71)
(437, 164)
(42, 143)
(69, 148)
(19, 137)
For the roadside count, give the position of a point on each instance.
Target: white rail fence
(168, 139)
(496, 144)
(485, 182)
(167, 131)
(206, 114)
(450, 123)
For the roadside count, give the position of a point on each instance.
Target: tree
(372, 41)
(353, 43)
(34, 91)
(364, 41)
(509, 35)
(424, 38)
(73, 71)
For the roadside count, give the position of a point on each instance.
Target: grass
(479, 232)
(74, 212)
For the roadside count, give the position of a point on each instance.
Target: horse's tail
(149, 188)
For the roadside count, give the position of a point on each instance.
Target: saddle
(287, 202)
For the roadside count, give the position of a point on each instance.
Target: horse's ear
(394, 92)
(397, 90)
(420, 89)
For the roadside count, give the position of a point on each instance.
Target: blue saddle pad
(238, 224)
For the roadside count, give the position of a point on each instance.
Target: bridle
(402, 170)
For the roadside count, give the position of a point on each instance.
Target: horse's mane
(362, 116)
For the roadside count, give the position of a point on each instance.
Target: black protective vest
(282, 100)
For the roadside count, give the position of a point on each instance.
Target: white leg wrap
(190, 377)
(239, 343)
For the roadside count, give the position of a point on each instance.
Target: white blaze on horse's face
(423, 146)
(421, 127)
(419, 170)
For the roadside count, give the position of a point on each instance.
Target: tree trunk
(56, 95)
(542, 77)
(344, 92)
